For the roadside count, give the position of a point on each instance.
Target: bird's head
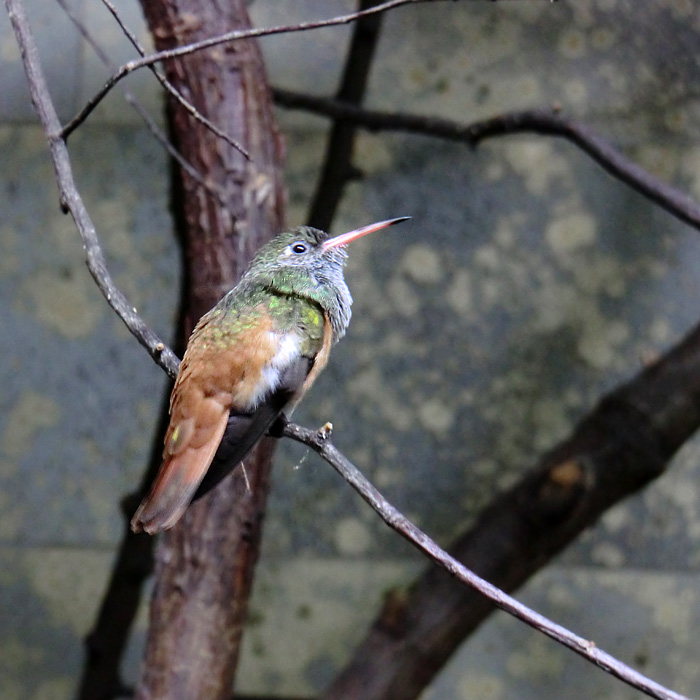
(308, 262)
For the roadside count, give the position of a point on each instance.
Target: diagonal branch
(166, 55)
(138, 107)
(543, 122)
(71, 200)
(162, 79)
(320, 443)
(621, 446)
(74, 123)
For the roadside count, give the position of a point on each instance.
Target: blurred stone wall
(528, 283)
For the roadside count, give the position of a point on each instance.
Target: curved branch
(138, 107)
(319, 441)
(74, 123)
(186, 104)
(545, 122)
(71, 200)
(131, 66)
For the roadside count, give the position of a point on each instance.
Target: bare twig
(71, 200)
(550, 123)
(337, 169)
(136, 64)
(162, 138)
(138, 107)
(320, 442)
(74, 123)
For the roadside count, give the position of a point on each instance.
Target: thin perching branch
(319, 441)
(70, 198)
(544, 122)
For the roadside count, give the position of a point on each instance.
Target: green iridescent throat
(279, 278)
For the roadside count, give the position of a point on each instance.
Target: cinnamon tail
(178, 480)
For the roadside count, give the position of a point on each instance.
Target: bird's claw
(276, 430)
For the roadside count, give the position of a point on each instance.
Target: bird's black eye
(299, 247)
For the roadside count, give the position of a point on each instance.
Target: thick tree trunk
(204, 566)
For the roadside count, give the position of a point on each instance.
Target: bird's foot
(276, 430)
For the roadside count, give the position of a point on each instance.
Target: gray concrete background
(528, 283)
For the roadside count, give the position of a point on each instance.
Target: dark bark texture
(204, 566)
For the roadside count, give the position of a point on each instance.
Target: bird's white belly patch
(289, 350)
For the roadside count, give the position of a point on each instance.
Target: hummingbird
(251, 357)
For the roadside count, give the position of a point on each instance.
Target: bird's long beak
(345, 238)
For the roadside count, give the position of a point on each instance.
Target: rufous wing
(244, 429)
(214, 373)
(214, 407)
